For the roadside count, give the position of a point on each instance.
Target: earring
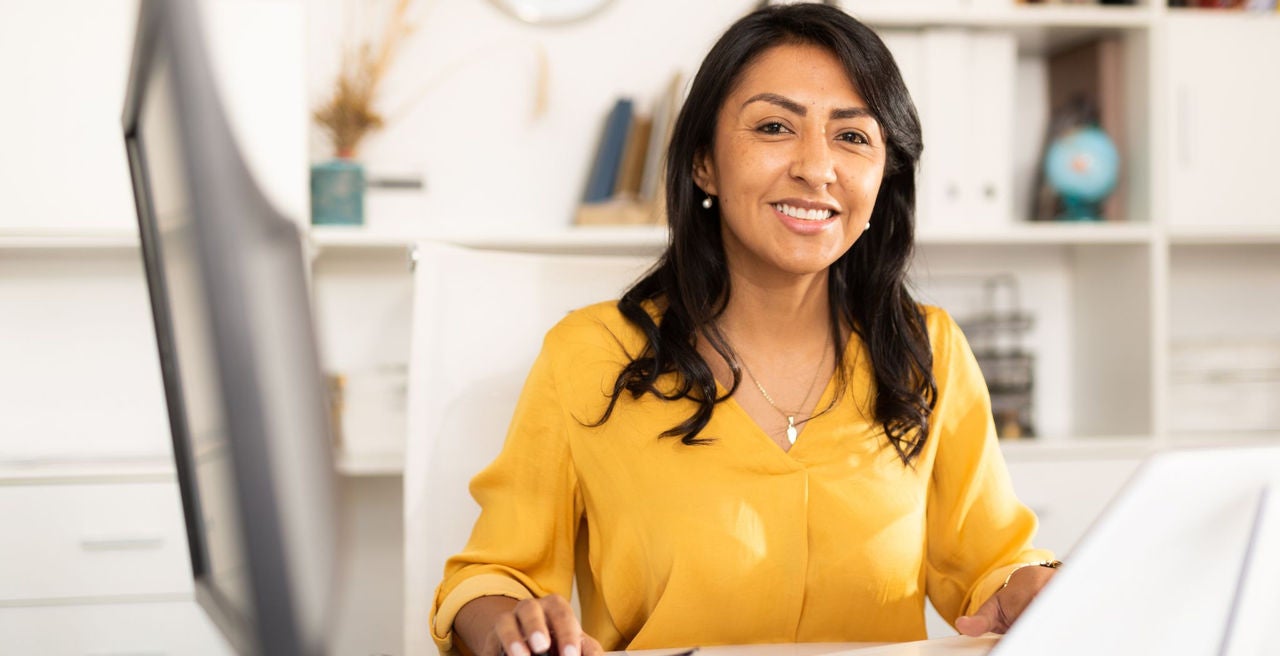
(706, 203)
(866, 227)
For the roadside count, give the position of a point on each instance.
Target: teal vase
(337, 193)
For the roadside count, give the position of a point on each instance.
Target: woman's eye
(773, 128)
(854, 137)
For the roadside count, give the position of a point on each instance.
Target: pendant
(791, 429)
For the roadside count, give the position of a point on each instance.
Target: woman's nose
(813, 162)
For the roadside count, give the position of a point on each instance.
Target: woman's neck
(777, 315)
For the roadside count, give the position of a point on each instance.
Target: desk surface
(950, 646)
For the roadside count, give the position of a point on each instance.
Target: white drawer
(141, 629)
(92, 540)
(1067, 495)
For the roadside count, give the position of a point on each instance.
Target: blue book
(604, 172)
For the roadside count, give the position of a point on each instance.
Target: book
(608, 161)
(633, 156)
(665, 111)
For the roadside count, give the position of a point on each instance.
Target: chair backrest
(479, 318)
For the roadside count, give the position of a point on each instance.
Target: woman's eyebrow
(781, 101)
(796, 108)
(851, 112)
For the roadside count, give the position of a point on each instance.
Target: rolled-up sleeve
(978, 531)
(522, 544)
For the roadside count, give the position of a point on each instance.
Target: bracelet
(1051, 564)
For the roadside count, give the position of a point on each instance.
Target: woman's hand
(531, 626)
(1004, 607)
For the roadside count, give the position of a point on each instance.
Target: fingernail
(569, 650)
(517, 649)
(539, 642)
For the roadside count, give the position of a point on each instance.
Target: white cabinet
(1069, 491)
(175, 628)
(95, 561)
(1224, 338)
(1221, 367)
(92, 540)
(1224, 98)
(81, 375)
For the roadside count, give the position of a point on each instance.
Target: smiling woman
(802, 162)
(857, 473)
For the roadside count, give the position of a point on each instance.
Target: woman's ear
(704, 174)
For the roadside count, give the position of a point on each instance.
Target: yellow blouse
(738, 542)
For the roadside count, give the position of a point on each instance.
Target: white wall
(487, 159)
(65, 63)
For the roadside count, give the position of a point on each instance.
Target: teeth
(803, 215)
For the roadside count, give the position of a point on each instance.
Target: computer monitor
(1181, 562)
(233, 323)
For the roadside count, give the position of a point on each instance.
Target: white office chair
(478, 322)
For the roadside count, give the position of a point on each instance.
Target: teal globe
(1082, 166)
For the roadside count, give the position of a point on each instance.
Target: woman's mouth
(801, 213)
(805, 222)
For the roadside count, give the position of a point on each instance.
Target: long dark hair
(867, 284)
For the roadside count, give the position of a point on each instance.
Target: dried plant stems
(348, 116)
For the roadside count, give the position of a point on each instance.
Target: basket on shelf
(996, 328)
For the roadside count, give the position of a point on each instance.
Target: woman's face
(796, 164)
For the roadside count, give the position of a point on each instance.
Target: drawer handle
(121, 544)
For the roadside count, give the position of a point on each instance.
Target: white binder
(990, 152)
(943, 186)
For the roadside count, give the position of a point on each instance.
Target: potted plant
(347, 116)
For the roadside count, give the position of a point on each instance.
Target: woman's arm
(521, 548)
(978, 531)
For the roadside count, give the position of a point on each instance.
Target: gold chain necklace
(792, 431)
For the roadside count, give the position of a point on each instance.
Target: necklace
(792, 431)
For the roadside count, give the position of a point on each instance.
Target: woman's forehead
(805, 73)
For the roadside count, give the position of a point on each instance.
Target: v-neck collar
(824, 399)
(759, 432)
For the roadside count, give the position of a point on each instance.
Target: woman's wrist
(474, 622)
(1051, 564)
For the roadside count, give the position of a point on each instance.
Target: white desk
(950, 646)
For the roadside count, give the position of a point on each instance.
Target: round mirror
(551, 12)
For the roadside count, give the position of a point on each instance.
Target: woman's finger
(507, 628)
(591, 646)
(987, 619)
(564, 625)
(533, 624)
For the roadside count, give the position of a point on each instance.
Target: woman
(766, 439)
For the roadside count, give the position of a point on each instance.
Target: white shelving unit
(68, 239)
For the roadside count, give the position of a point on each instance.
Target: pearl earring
(867, 227)
(706, 203)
